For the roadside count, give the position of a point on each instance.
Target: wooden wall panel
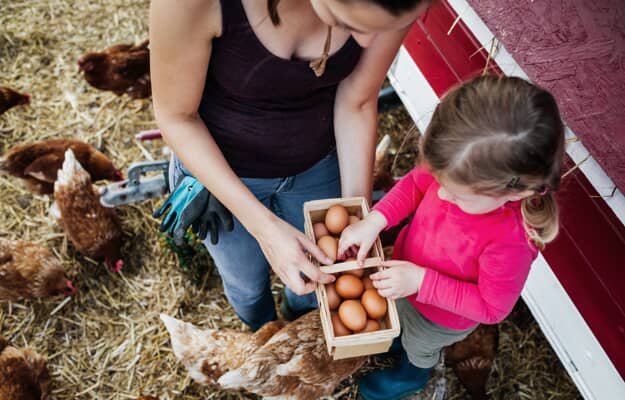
(575, 49)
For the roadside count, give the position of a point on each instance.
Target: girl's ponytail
(540, 215)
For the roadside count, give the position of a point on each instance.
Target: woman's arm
(181, 35)
(356, 111)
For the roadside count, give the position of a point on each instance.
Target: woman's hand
(357, 239)
(284, 246)
(400, 279)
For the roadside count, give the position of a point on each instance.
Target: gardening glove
(186, 190)
(214, 214)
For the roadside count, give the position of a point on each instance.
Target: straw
(107, 341)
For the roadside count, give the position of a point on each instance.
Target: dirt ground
(107, 342)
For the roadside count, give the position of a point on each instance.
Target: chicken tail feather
(183, 335)
(177, 332)
(382, 149)
(71, 167)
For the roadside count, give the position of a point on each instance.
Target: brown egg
(329, 246)
(349, 287)
(358, 272)
(353, 219)
(337, 219)
(374, 304)
(367, 282)
(320, 230)
(372, 326)
(333, 298)
(353, 315)
(338, 327)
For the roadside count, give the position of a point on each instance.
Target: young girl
(482, 206)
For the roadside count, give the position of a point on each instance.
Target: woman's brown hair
(501, 135)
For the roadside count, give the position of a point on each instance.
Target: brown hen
(208, 354)
(123, 68)
(93, 229)
(472, 359)
(9, 98)
(38, 163)
(23, 374)
(28, 270)
(280, 360)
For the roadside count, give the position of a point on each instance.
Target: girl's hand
(401, 279)
(284, 247)
(358, 238)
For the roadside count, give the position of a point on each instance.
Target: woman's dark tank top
(271, 117)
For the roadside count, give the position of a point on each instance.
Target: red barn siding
(588, 257)
(576, 49)
(445, 59)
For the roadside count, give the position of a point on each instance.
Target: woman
(264, 103)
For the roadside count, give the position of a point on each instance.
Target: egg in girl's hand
(329, 246)
(353, 315)
(337, 218)
(371, 326)
(333, 298)
(349, 287)
(367, 282)
(338, 327)
(320, 230)
(374, 304)
(353, 219)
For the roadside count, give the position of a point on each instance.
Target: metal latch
(134, 189)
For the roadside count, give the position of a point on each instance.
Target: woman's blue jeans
(243, 268)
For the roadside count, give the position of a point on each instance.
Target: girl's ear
(521, 195)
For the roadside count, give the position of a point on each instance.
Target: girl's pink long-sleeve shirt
(475, 264)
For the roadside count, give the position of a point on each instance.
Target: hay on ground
(107, 342)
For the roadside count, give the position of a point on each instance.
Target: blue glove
(186, 190)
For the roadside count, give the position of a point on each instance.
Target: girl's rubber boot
(394, 383)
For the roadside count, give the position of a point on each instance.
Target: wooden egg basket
(356, 344)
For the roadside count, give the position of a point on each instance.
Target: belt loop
(283, 184)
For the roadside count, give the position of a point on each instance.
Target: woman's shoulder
(201, 16)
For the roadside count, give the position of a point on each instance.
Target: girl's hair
(395, 7)
(501, 135)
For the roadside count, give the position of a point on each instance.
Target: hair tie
(544, 191)
(513, 183)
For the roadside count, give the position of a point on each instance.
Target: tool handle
(139, 168)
